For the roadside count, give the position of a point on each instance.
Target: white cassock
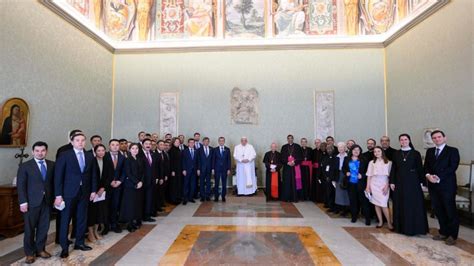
(245, 172)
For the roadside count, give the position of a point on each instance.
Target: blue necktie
(222, 150)
(82, 165)
(437, 153)
(43, 169)
(192, 153)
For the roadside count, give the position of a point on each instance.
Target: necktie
(148, 157)
(222, 150)
(437, 153)
(43, 169)
(192, 153)
(82, 165)
(115, 160)
(207, 152)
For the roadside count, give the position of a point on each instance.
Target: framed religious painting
(244, 19)
(14, 123)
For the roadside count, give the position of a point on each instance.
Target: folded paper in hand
(61, 206)
(99, 198)
(368, 195)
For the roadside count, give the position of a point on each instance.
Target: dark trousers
(330, 196)
(148, 204)
(189, 185)
(114, 205)
(218, 177)
(160, 195)
(58, 226)
(358, 201)
(205, 183)
(36, 228)
(76, 206)
(444, 203)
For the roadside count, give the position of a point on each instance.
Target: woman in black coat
(132, 197)
(175, 182)
(97, 211)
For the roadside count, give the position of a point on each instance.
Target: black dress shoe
(131, 228)
(208, 199)
(82, 247)
(160, 210)
(353, 220)
(149, 220)
(203, 199)
(185, 202)
(64, 253)
(223, 199)
(105, 231)
(153, 215)
(192, 201)
(118, 230)
(216, 199)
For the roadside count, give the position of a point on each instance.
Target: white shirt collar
(441, 147)
(342, 156)
(76, 150)
(37, 161)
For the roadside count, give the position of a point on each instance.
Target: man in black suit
(62, 149)
(204, 170)
(162, 170)
(189, 162)
(123, 147)
(440, 166)
(114, 161)
(149, 180)
(35, 195)
(221, 168)
(75, 184)
(95, 140)
(389, 151)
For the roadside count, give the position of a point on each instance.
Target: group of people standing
(348, 180)
(102, 190)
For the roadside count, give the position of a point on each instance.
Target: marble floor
(249, 231)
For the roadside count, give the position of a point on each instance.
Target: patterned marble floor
(267, 233)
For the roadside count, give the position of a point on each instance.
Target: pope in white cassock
(244, 155)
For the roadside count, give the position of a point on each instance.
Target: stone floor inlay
(249, 209)
(398, 249)
(243, 245)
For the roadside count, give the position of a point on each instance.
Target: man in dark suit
(115, 163)
(389, 151)
(124, 147)
(75, 183)
(182, 146)
(440, 166)
(62, 149)
(95, 140)
(35, 195)
(204, 169)
(149, 180)
(221, 168)
(189, 161)
(163, 169)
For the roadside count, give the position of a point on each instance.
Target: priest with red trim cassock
(272, 161)
(291, 157)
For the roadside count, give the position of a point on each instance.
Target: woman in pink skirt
(378, 172)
